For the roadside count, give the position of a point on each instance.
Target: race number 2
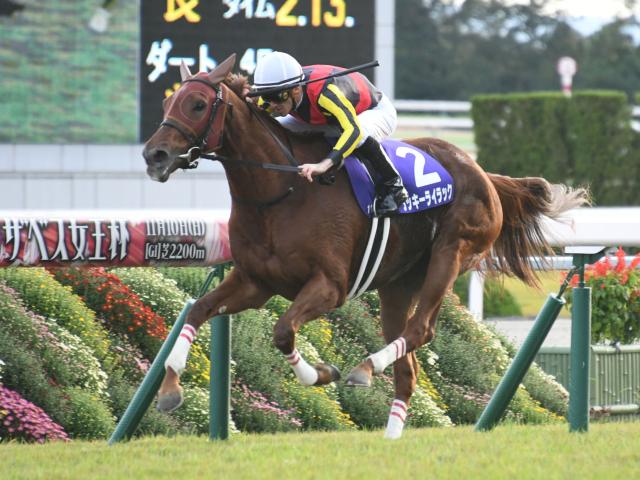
(422, 179)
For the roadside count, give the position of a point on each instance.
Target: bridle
(215, 122)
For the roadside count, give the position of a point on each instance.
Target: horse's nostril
(156, 155)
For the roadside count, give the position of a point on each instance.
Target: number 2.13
(333, 19)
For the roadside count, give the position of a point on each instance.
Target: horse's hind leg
(446, 258)
(396, 304)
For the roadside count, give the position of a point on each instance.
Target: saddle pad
(429, 185)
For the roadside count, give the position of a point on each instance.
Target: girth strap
(374, 250)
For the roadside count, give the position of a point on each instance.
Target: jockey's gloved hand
(263, 104)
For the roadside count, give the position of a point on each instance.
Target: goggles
(277, 97)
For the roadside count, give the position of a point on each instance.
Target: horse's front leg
(318, 296)
(236, 293)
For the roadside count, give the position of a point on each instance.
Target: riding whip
(357, 68)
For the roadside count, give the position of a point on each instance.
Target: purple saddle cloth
(429, 185)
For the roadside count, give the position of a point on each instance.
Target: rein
(195, 153)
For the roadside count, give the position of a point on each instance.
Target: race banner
(123, 239)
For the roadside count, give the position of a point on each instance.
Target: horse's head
(193, 117)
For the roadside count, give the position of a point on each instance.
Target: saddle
(428, 184)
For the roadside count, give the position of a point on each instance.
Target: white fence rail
(610, 227)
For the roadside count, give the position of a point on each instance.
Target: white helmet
(277, 69)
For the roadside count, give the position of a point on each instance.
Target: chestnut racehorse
(305, 242)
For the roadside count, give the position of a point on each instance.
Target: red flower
(602, 267)
(621, 263)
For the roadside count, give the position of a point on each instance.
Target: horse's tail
(525, 201)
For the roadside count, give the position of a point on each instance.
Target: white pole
(476, 291)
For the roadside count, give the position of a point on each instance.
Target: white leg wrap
(397, 416)
(177, 359)
(389, 354)
(306, 374)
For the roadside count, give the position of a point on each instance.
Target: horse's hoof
(335, 373)
(170, 402)
(327, 374)
(358, 378)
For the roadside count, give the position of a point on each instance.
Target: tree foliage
(491, 46)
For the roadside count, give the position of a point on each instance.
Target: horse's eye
(200, 105)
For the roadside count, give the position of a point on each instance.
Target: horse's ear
(184, 71)
(222, 70)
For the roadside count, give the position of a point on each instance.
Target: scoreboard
(202, 33)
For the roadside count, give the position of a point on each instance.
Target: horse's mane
(239, 84)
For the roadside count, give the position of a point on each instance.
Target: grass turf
(510, 451)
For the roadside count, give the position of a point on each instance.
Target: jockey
(348, 107)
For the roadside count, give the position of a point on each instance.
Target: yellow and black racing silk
(337, 101)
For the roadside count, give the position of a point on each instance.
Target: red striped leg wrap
(177, 359)
(306, 374)
(188, 333)
(294, 358)
(389, 354)
(397, 417)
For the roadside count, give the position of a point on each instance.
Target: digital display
(203, 33)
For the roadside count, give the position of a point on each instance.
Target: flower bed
(42, 294)
(49, 373)
(163, 297)
(265, 369)
(470, 362)
(117, 304)
(22, 420)
(253, 412)
(615, 299)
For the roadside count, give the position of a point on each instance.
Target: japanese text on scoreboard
(203, 33)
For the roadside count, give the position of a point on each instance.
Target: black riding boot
(390, 193)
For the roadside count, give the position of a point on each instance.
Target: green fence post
(219, 401)
(522, 361)
(150, 385)
(220, 383)
(579, 354)
(580, 340)
(579, 361)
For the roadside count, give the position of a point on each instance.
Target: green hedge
(583, 140)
